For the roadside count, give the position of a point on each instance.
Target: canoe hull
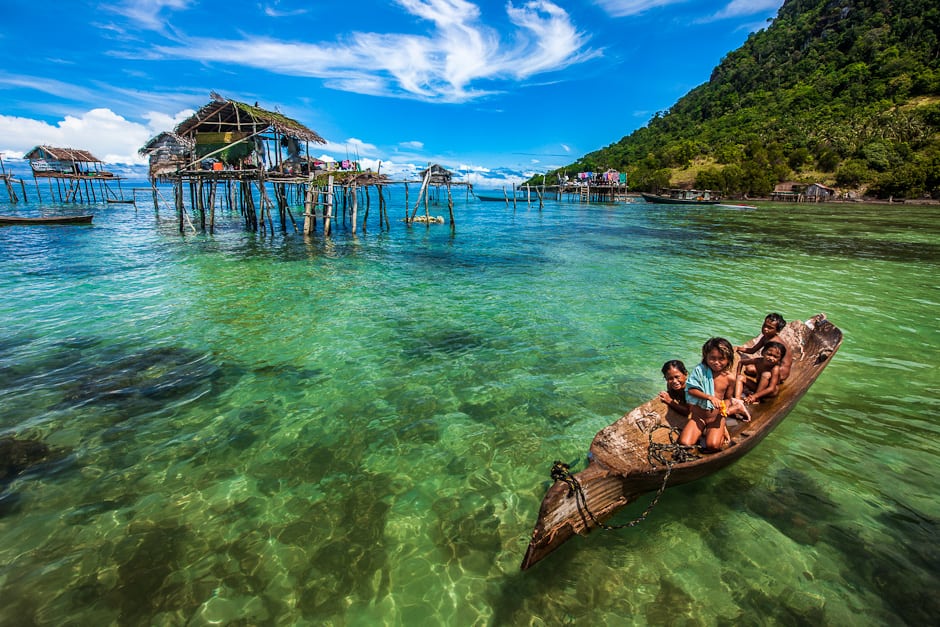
(620, 470)
(14, 220)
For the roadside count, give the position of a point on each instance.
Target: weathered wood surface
(620, 470)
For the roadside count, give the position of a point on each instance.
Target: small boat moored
(684, 197)
(494, 198)
(14, 220)
(629, 457)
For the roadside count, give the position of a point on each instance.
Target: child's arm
(697, 393)
(753, 348)
(682, 408)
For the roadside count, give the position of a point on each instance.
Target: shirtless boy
(759, 377)
(770, 332)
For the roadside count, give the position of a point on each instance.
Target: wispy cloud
(147, 13)
(624, 8)
(49, 86)
(447, 63)
(737, 8)
(271, 10)
(412, 145)
(353, 148)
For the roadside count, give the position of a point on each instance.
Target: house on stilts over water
(243, 158)
(72, 175)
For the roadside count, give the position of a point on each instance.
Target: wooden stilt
(355, 207)
(450, 208)
(310, 216)
(328, 207)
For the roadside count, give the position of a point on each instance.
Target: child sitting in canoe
(709, 390)
(675, 374)
(759, 377)
(770, 332)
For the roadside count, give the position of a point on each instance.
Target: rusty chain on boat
(656, 452)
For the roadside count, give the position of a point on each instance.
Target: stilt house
(439, 175)
(227, 134)
(168, 153)
(51, 161)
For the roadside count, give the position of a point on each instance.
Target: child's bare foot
(740, 409)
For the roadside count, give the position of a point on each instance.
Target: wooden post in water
(178, 199)
(328, 208)
(310, 215)
(424, 184)
(450, 208)
(211, 205)
(354, 215)
(365, 215)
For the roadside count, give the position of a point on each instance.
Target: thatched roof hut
(236, 133)
(168, 153)
(51, 160)
(230, 116)
(228, 132)
(439, 175)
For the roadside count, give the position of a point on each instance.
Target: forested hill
(843, 92)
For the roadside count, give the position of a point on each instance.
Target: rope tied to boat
(656, 452)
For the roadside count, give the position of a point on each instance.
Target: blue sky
(498, 90)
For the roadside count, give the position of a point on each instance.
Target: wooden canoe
(620, 468)
(11, 220)
(675, 200)
(490, 198)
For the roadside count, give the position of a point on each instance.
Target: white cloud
(412, 145)
(566, 147)
(105, 134)
(444, 64)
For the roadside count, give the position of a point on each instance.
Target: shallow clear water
(266, 430)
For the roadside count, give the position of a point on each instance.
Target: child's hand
(664, 397)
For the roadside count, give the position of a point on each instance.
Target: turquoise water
(266, 430)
